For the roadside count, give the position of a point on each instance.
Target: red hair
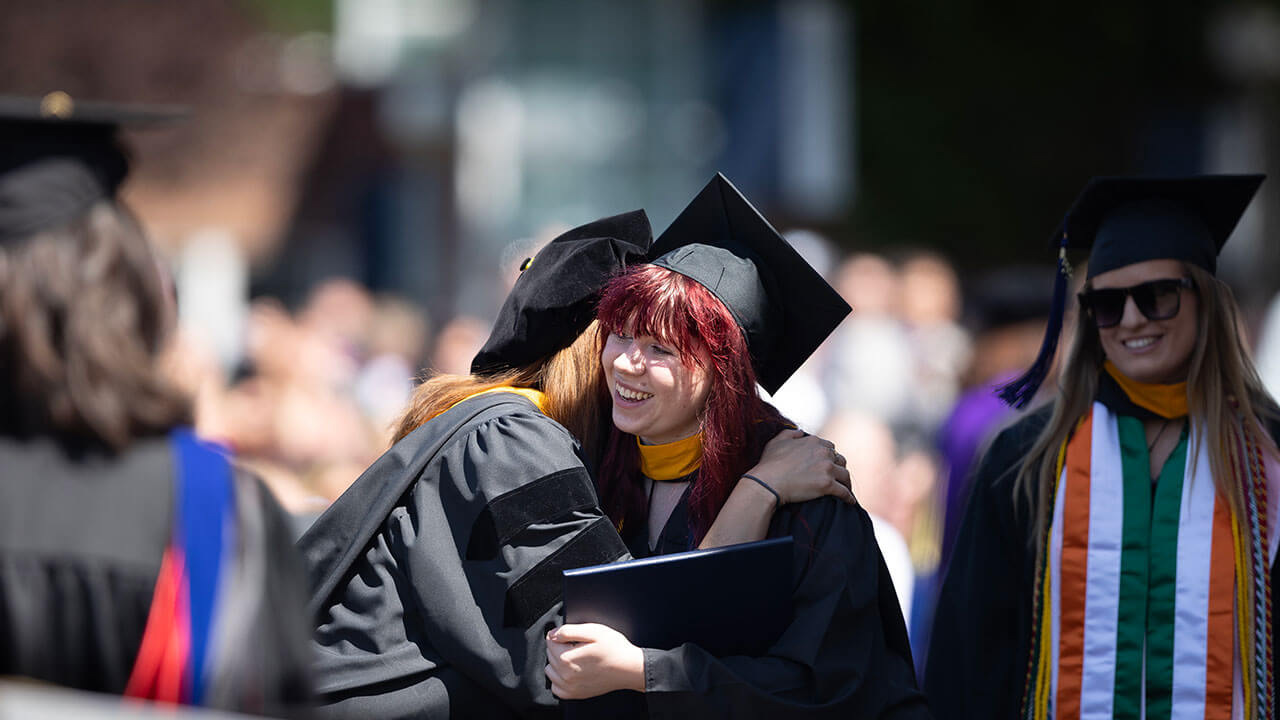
(736, 422)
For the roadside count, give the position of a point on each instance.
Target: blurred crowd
(313, 400)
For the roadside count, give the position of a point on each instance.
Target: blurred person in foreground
(134, 558)
(1117, 557)
(437, 575)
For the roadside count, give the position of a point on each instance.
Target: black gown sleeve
(979, 647)
(445, 614)
(265, 663)
(845, 653)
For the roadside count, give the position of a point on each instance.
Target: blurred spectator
(1010, 309)
(868, 445)
(314, 400)
(396, 338)
(459, 341)
(929, 305)
(870, 364)
(900, 355)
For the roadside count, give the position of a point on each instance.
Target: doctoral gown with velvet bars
(844, 655)
(981, 641)
(437, 575)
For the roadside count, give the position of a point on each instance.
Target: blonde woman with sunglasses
(1117, 558)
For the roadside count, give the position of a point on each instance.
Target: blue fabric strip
(204, 497)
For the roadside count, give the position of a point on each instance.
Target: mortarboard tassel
(1020, 391)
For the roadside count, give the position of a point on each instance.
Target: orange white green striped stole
(1136, 605)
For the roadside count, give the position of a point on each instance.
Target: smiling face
(1150, 351)
(656, 395)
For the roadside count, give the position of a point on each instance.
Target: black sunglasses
(1156, 299)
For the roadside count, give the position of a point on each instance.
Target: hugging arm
(795, 466)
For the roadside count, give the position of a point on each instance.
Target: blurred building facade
(496, 120)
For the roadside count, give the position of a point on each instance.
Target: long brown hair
(1225, 396)
(84, 313)
(576, 397)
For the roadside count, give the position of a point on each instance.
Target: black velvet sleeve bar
(443, 608)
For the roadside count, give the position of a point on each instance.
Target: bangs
(678, 311)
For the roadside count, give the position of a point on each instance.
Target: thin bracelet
(777, 499)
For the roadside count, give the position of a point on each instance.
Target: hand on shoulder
(801, 467)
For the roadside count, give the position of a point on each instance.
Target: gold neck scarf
(1167, 401)
(537, 397)
(673, 460)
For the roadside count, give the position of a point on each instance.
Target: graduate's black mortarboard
(784, 307)
(58, 156)
(1126, 220)
(554, 299)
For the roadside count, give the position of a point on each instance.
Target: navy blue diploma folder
(733, 600)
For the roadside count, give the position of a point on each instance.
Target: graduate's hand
(802, 467)
(587, 660)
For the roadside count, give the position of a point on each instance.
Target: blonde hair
(570, 379)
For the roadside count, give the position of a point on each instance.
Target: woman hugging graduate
(437, 575)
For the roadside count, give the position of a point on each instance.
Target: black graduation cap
(784, 307)
(1125, 220)
(554, 299)
(58, 156)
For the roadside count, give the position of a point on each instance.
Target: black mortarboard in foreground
(783, 305)
(1126, 220)
(58, 156)
(554, 299)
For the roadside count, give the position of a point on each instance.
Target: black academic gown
(981, 641)
(437, 575)
(82, 533)
(844, 655)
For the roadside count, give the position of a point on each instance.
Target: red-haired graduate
(727, 304)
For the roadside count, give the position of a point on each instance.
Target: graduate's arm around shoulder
(979, 644)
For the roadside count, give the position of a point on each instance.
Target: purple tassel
(1020, 391)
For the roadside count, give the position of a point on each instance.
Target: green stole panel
(1144, 638)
